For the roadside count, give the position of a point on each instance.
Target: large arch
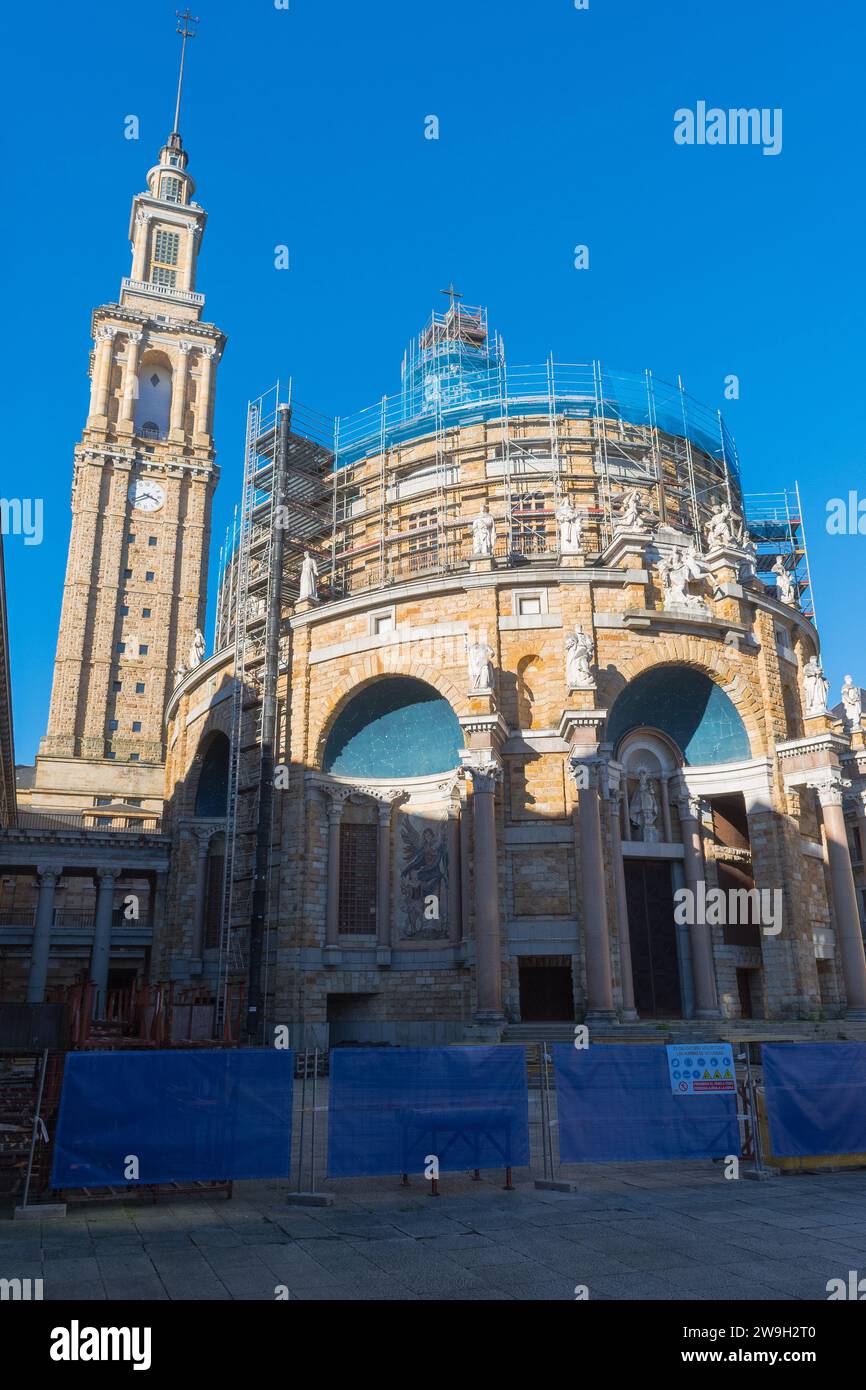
(153, 403)
(396, 726)
(684, 703)
(375, 667)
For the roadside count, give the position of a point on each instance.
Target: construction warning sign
(702, 1070)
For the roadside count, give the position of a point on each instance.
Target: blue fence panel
(614, 1104)
(389, 1109)
(198, 1115)
(816, 1098)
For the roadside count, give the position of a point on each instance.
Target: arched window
(395, 727)
(153, 406)
(687, 706)
(213, 783)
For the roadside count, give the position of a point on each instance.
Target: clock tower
(142, 488)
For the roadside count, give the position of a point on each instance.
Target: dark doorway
(546, 994)
(744, 990)
(652, 934)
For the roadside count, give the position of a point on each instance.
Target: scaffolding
(774, 524)
(282, 513)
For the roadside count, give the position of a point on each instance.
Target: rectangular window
(121, 647)
(151, 540)
(113, 724)
(111, 753)
(133, 757)
(357, 906)
(149, 576)
(139, 687)
(424, 545)
(528, 603)
(127, 574)
(103, 801)
(124, 611)
(136, 726)
(145, 612)
(131, 538)
(171, 188)
(166, 249)
(142, 650)
(117, 685)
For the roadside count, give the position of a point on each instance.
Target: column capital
(106, 876)
(383, 812)
(106, 332)
(184, 346)
(133, 337)
(210, 352)
(589, 771)
(48, 871)
(830, 786)
(688, 804)
(483, 766)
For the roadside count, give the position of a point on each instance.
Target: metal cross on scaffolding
(186, 33)
(453, 294)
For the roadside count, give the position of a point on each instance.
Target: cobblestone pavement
(629, 1232)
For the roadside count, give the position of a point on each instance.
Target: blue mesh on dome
(688, 707)
(395, 727)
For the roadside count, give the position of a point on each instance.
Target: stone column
(178, 390)
(332, 919)
(204, 839)
(41, 947)
(703, 967)
(860, 803)
(130, 382)
(383, 875)
(139, 256)
(614, 801)
(587, 771)
(207, 358)
(485, 771)
(100, 954)
(850, 940)
(455, 923)
(105, 336)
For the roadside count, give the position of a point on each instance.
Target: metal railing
(89, 820)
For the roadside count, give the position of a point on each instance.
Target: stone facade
(545, 861)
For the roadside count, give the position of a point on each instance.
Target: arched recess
(686, 705)
(153, 404)
(211, 793)
(371, 671)
(396, 726)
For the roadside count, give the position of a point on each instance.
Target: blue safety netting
(389, 1110)
(816, 1098)
(615, 1104)
(186, 1116)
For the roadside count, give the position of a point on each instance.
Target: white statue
(570, 528)
(720, 532)
(196, 651)
(852, 700)
(749, 562)
(815, 686)
(631, 512)
(676, 571)
(784, 583)
(643, 809)
(309, 588)
(480, 659)
(578, 656)
(179, 674)
(483, 533)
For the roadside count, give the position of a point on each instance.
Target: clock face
(146, 496)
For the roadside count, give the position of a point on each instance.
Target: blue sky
(306, 127)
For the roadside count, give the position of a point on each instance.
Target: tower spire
(184, 19)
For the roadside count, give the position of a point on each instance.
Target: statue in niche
(720, 531)
(815, 686)
(480, 661)
(784, 583)
(423, 879)
(631, 512)
(570, 525)
(483, 533)
(309, 586)
(578, 657)
(196, 651)
(675, 571)
(852, 701)
(643, 811)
